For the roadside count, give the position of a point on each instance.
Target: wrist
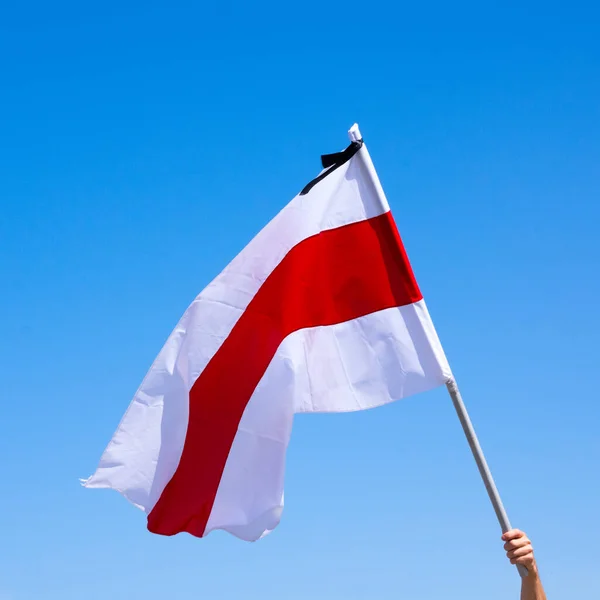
(532, 572)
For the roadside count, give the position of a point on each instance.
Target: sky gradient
(142, 145)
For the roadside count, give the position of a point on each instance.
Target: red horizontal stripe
(332, 277)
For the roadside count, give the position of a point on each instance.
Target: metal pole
(484, 470)
(459, 405)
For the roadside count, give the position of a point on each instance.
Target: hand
(519, 549)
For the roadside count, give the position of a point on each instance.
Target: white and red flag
(319, 313)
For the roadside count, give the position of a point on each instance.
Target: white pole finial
(354, 133)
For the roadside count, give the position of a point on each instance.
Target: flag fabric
(319, 313)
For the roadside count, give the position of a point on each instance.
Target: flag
(320, 312)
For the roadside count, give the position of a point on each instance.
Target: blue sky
(143, 144)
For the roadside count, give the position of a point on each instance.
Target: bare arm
(520, 552)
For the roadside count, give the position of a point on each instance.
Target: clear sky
(142, 145)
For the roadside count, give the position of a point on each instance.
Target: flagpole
(457, 401)
(484, 470)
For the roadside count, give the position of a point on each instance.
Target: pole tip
(354, 133)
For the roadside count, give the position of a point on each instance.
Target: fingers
(518, 548)
(523, 551)
(526, 560)
(513, 534)
(517, 543)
